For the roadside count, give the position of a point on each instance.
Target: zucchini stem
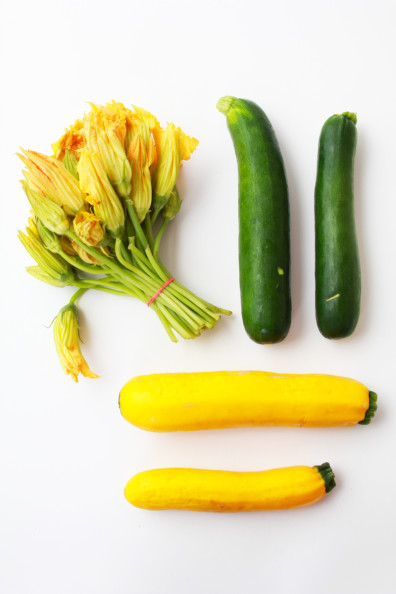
(224, 104)
(370, 412)
(327, 475)
(351, 116)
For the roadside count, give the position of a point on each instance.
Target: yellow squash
(224, 491)
(214, 400)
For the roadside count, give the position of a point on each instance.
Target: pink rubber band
(154, 297)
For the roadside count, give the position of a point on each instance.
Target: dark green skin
(264, 234)
(337, 268)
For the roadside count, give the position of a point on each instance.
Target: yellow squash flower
(140, 122)
(112, 170)
(32, 220)
(113, 113)
(73, 140)
(67, 343)
(67, 247)
(88, 228)
(102, 138)
(50, 178)
(100, 194)
(173, 146)
(141, 178)
(85, 257)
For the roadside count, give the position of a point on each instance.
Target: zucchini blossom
(100, 205)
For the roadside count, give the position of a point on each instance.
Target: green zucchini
(264, 234)
(337, 267)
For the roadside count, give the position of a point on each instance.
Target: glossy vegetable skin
(264, 237)
(221, 399)
(337, 267)
(225, 491)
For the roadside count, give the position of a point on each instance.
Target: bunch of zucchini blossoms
(100, 206)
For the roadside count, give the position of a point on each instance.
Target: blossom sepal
(50, 178)
(172, 206)
(100, 193)
(49, 238)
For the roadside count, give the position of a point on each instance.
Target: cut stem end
(224, 103)
(370, 412)
(327, 475)
(351, 116)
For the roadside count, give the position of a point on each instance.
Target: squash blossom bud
(49, 239)
(67, 247)
(103, 140)
(50, 213)
(114, 113)
(41, 275)
(88, 228)
(32, 224)
(50, 178)
(100, 194)
(141, 178)
(51, 264)
(85, 257)
(67, 343)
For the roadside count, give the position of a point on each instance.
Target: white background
(65, 451)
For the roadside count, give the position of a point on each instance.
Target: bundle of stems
(100, 206)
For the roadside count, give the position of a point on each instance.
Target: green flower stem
(148, 231)
(108, 281)
(176, 323)
(129, 230)
(127, 265)
(164, 322)
(187, 316)
(141, 260)
(184, 323)
(127, 255)
(180, 310)
(159, 237)
(164, 274)
(77, 295)
(196, 304)
(203, 308)
(91, 285)
(156, 267)
(85, 285)
(78, 263)
(144, 243)
(209, 308)
(125, 277)
(177, 306)
(140, 236)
